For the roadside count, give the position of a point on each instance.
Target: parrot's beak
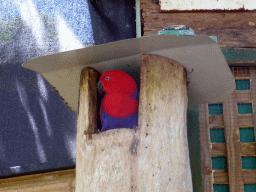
(100, 88)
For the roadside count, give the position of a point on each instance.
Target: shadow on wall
(37, 129)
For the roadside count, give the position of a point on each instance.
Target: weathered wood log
(87, 120)
(107, 160)
(153, 157)
(163, 156)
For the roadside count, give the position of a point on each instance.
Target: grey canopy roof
(210, 79)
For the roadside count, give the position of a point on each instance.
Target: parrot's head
(116, 81)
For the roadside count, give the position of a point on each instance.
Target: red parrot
(119, 107)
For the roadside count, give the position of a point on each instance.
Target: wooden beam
(253, 89)
(216, 121)
(233, 145)
(220, 177)
(163, 156)
(233, 28)
(56, 181)
(218, 149)
(245, 120)
(232, 37)
(247, 149)
(205, 144)
(190, 5)
(249, 176)
(241, 63)
(243, 96)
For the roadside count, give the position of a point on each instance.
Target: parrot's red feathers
(120, 104)
(118, 82)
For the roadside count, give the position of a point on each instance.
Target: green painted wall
(194, 146)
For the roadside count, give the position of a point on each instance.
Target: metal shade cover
(209, 77)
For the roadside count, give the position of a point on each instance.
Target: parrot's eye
(106, 78)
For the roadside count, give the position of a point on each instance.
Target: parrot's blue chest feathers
(114, 123)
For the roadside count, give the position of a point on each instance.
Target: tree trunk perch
(163, 155)
(154, 157)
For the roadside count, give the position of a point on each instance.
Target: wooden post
(253, 93)
(235, 174)
(205, 143)
(163, 156)
(87, 120)
(155, 156)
